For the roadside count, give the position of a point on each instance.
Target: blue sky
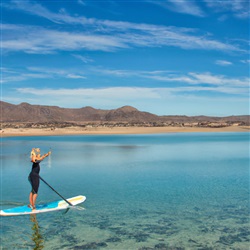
(165, 57)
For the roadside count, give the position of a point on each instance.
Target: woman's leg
(31, 199)
(34, 181)
(34, 201)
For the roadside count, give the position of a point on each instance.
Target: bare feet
(32, 207)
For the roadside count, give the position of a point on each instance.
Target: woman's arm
(33, 158)
(40, 158)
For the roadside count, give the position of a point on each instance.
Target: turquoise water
(166, 191)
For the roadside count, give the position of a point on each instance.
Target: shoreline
(11, 132)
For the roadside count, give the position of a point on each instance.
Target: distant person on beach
(34, 179)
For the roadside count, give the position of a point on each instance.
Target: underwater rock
(166, 220)
(193, 241)
(206, 248)
(160, 229)
(118, 230)
(227, 230)
(244, 220)
(244, 233)
(114, 239)
(101, 225)
(71, 239)
(138, 212)
(161, 246)
(196, 209)
(230, 239)
(102, 244)
(92, 245)
(140, 237)
(204, 230)
(160, 239)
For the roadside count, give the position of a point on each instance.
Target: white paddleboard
(43, 208)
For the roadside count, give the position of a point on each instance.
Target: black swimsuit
(34, 177)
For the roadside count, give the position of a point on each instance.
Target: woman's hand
(47, 154)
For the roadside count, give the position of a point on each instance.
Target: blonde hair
(33, 152)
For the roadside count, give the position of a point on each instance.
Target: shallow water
(167, 191)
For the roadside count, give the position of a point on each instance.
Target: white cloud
(38, 40)
(195, 100)
(104, 35)
(245, 61)
(87, 93)
(190, 78)
(239, 8)
(180, 79)
(41, 41)
(74, 76)
(208, 78)
(223, 63)
(37, 9)
(183, 6)
(38, 73)
(81, 2)
(128, 93)
(83, 58)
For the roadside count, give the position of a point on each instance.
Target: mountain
(27, 113)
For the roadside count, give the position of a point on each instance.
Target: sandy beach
(8, 132)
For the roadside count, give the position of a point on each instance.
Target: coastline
(11, 132)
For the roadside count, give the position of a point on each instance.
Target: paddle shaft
(55, 190)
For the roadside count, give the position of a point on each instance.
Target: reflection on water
(37, 237)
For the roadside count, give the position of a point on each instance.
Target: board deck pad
(43, 208)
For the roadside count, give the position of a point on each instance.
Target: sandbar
(12, 132)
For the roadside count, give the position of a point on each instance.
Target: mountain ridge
(26, 113)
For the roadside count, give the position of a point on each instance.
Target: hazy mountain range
(26, 112)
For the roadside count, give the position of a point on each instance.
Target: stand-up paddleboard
(43, 208)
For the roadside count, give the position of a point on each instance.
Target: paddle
(55, 191)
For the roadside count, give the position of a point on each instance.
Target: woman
(34, 180)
